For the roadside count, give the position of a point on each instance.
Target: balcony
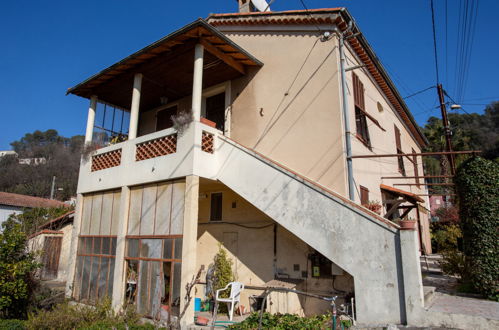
(159, 156)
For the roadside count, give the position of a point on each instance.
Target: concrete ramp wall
(366, 246)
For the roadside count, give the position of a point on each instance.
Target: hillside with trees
(62, 156)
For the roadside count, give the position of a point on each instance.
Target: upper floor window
(360, 110)
(398, 143)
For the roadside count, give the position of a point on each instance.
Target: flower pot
(208, 122)
(407, 224)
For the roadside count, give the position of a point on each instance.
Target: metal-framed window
(95, 261)
(153, 274)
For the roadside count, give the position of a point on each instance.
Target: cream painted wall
(252, 252)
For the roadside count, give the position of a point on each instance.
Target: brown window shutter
(397, 138)
(416, 171)
(358, 92)
(364, 195)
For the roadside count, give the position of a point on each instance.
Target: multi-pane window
(154, 248)
(97, 246)
(153, 275)
(398, 143)
(360, 110)
(95, 268)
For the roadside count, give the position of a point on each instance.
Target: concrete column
(189, 243)
(119, 284)
(91, 119)
(413, 282)
(197, 82)
(134, 109)
(74, 245)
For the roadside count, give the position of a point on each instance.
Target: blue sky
(49, 46)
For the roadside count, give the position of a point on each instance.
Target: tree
(16, 271)
(62, 160)
(477, 183)
(31, 219)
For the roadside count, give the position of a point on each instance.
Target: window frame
(212, 219)
(361, 126)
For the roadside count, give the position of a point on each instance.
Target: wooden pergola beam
(221, 55)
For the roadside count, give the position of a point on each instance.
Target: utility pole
(447, 132)
(52, 190)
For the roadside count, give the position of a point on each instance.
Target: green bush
(284, 322)
(12, 324)
(66, 317)
(477, 183)
(16, 271)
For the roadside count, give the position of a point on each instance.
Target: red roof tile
(28, 201)
(401, 192)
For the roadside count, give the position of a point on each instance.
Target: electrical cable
(309, 14)
(421, 91)
(434, 40)
(235, 224)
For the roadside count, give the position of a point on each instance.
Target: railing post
(134, 110)
(91, 119)
(197, 82)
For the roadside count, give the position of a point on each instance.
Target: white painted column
(91, 119)
(197, 82)
(74, 246)
(189, 246)
(119, 279)
(134, 109)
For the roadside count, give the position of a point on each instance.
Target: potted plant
(407, 224)
(374, 206)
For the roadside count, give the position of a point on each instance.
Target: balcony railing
(157, 156)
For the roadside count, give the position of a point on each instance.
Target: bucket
(197, 304)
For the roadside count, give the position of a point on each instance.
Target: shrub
(477, 183)
(284, 322)
(101, 316)
(16, 272)
(12, 324)
(223, 271)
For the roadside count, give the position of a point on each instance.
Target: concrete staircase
(385, 269)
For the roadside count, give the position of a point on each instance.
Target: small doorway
(215, 110)
(51, 254)
(164, 118)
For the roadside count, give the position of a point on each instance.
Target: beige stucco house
(268, 108)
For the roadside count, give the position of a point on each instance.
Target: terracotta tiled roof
(59, 220)
(46, 231)
(358, 43)
(401, 192)
(27, 201)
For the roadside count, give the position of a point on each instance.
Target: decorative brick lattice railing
(158, 147)
(106, 160)
(208, 142)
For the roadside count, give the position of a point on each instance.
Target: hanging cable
(434, 40)
(416, 93)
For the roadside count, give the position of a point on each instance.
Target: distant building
(15, 204)
(33, 161)
(7, 153)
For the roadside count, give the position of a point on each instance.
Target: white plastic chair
(235, 295)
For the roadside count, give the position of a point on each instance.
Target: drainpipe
(351, 188)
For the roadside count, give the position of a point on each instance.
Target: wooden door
(164, 118)
(51, 255)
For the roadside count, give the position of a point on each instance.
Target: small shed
(53, 240)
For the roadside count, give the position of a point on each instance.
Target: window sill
(364, 142)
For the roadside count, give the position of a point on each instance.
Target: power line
(434, 40)
(309, 14)
(416, 93)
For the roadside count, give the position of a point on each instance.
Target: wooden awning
(167, 67)
(402, 193)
